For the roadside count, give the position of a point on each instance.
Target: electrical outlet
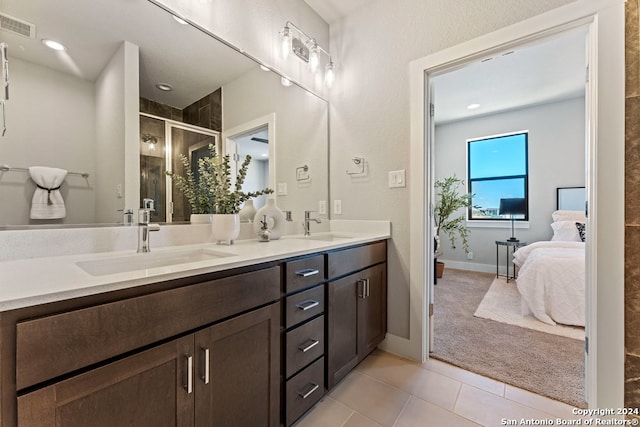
(322, 207)
(337, 207)
(470, 255)
(282, 189)
(119, 191)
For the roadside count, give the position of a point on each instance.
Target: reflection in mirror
(95, 108)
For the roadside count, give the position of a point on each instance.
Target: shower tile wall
(205, 112)
(632, 203)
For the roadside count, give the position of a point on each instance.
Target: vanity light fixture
(307, 49)
(52, 44)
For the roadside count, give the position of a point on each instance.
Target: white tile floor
(386, 390)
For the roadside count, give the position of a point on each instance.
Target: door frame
(605, 171)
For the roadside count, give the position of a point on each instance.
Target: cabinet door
(372, 310)
(238, 371)
(342, 327)
(146, 389)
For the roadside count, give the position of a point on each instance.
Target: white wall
(45, 108)
(556, 151)
(370, 106)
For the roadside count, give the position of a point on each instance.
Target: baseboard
(473, 266)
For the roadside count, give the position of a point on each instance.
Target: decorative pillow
(565, 231)
(582, 230)
(561, 215)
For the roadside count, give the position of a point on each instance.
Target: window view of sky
(497, 170)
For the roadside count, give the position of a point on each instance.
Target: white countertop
(28, 282)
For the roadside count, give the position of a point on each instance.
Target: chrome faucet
(307, 221)
(145, 226)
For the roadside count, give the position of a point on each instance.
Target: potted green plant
(450, 200)
(212, 192)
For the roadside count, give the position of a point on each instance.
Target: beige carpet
(547, 364)
(502, 304)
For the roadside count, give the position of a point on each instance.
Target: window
(497, 169)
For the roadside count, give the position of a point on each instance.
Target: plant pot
(200, 219)
(225, 228)
(439, 269)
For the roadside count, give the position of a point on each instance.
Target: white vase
(275, 219)
(200, 218)
(225, 228)
(247, 212)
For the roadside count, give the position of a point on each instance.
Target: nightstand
(507, 244)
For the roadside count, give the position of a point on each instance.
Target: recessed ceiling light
(52, 44)
(285, 81)
(179, 20)
(264, 68)
(472, 106)
(164, 87)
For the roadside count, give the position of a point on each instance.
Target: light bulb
(314, 57)
(287, 39)
(329, 75)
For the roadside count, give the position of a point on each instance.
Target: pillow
(582, 230)
(578, 216)
(565, 231)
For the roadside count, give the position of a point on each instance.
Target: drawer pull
(309, 347)
(308, 304)
(307, 272)
(314, 387)
(188, 386)
(206, 373)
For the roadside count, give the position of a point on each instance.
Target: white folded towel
(47, 201)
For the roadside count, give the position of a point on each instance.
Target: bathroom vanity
(252, 338)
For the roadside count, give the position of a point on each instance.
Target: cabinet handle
(368, 287)
(188, 386)
(314, 387)
(307, 272)
(206, 373)
(308, 304)
(362, 288)
(309, 347)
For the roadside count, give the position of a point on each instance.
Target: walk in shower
(161, 142)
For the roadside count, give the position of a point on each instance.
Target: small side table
(507, 244)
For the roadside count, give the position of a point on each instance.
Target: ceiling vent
(17, 26)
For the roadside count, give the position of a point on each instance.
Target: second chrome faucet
(307, 221)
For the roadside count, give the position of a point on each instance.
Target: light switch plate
(322, 207)
(397, 179)
(282, 189)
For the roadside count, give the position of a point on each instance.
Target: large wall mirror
(97, 109)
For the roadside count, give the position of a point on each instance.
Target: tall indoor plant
(212, 192)
(448, 201)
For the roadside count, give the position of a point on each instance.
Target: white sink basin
(144, 261)
(326, 237)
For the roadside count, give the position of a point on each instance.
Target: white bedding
(551, 281)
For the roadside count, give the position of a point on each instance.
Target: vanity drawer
(304, 305)
(304, 272)
(349, 260)
(304, 344)
(54, 345)
(304, 390)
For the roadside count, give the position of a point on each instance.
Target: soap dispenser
(264, 234)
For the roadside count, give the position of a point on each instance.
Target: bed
(551, 276)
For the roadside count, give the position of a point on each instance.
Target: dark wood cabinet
(237, 371)
(146, 389)
(356, 315)
(253, 346)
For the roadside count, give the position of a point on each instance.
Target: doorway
(605, 128)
